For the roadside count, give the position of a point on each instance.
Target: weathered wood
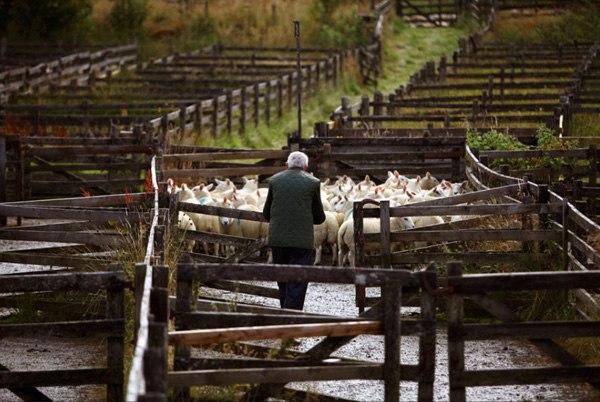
(54, 260)
(469, 235)
(456, 348)
(550, 329)
(427, 339)
(478, 283)
(542, 375)
(280, 273)
(27, 393)
(66, 328)
(274, 375)
(106, 239)
(223, 172)
(3, 161)
(37, 212)
(392, 303)
(384, 232)
(216, 156)
(210, 336)
(91, 281)
(217, 238)
(490, 209)
(53, 378)
(115, 349)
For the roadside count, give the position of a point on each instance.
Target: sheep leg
(270, 257)
(333, 253)
(318, 255)
(351, 259)
(205, 246)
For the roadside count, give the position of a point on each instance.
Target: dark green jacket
(293, 206)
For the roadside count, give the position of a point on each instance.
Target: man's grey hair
(297, 159)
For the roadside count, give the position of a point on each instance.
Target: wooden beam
(54, 378)
(89, 281)
(546, 329)
(210, 336)
(479, 283)
(274, 375)
(544, 375)
(69, 328)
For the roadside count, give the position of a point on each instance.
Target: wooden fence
(384, 320)
(478, 288)
(24, 383)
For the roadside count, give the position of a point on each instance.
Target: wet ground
(48, 353)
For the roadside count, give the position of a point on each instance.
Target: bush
(45, 20)
(127, 17)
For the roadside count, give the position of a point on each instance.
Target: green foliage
(127, 17)
(47, 20)
(493, 140)
(338, 26)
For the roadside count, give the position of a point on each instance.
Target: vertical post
(215, 116)
(384, 233)
(378, 103)
(427, 338)
(290, 90)
(138, 290)
(565, 234)
(299, 77)
(182, 352)
(592, 178)
(256, 104)
(229, 110)
(399, 11)
(359, 242)
(279, 97)
(364, 105)
(456, 345)
(243, 101)
(3, 220)
(392, 303)
(268, 102)
(114, 344)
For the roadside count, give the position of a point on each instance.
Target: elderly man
(293, 206)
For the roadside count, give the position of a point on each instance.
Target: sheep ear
(224, 200)
(227, 181)
(390, 174)
(464, 184)
(209, 187)
(396, 173)
(418, 179)
(428, 175)
(359, 187)
(245, 180)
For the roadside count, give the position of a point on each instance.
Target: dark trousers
(292, 294)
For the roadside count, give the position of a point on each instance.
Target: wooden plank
(544, 375)
(36, 212)
(546, 329)
(466, 257)
(222, 172)
(217, 238)
(53, 378)
(68, 328)
(392, 304)
(210, 336)
(27, 393)
(227, 212)
(89, 281)
(274, 375)
(479, 283)
(102, 240)
(283, 273)
(218, 156)
(54, 260)
(456, 347)
(469, 235)
(489, 209)
(89, 202)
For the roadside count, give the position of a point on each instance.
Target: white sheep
(326, 233)
(346, 245)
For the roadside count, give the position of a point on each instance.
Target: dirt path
(339, 299)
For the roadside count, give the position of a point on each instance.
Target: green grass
(406, 49)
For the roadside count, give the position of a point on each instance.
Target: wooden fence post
(565, 234)
(290, 91)
(243, 100)
(392, 303)
(384, 233)
(138, 289)
(256, 104)
(378, 101)
(229, 110)
(268, 103)
(364, 105)
(279, 97)
(183, 352)
(592, 178)
(399, 11)
(427, 339)
(114, 344)
(3, 220)
(215, 116)
(456, 345)
(359, 242)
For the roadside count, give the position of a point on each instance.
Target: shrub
(47, 20)
(127, 17)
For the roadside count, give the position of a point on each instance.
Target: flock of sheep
(337, 197)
